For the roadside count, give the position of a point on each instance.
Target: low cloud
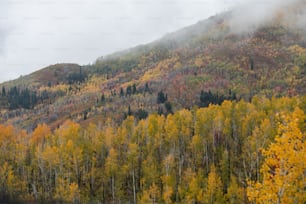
(248, 16)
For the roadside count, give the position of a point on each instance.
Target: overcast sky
(37, 33)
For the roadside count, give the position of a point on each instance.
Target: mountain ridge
(186, 66)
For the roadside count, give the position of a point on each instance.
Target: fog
(248, 16)
(37, 33)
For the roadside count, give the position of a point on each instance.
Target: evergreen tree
(129, 113)
(168, 107)
(128, 90)
(3, 91)
(161, 97)
(103, 98)
(121, 92)
(134, 90)
(147, 89)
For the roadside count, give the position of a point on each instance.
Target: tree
(284, 166)
(168, 178)
(168, 107)
(103, 99)
(147, 89)
(121, 92)
(251, 63)
(129, 113)
(141, 114)
(111, 168)
(235, 194)
(66, 192)
(161, 97)
(132, 163)
(85, 115)
(3, 93)
(77, 77)
(214, 187)
(192, 189)
(8, 182)
(128, 90)
(134, 90)
(40, 135)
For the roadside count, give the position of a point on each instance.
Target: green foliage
(77, 77)
(141, 114)
(161, 97)
(3, 92)
(168, 107)
(21, 98)
(121, 92)
(207, 98)
(128, 90)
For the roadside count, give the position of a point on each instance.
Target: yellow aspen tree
(168, 178)
(40, 134)
(192, 188)
(132, 163)
(73, 193)
(7, 141)
(111, 168)
(8, 182)
(61, 190)
(284, 166)
(214, 192)
(154, 193)
(150, 195)
(235, 194)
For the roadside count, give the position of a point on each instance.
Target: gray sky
(37, 33)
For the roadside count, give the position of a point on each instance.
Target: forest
(235, 152)
(203, 115)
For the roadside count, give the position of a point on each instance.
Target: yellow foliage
(214, 187)
(74, 193)
(235, 194)
(167, 194)
(67, 192)
(40, 134)
(284, 167)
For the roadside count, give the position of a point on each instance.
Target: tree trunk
(113, 189)
(134, 187)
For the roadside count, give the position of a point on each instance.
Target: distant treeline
(19, 98)
(15, 98)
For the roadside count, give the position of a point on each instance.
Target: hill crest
(204, 63)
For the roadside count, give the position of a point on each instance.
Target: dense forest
(236, 152)
(203, 115)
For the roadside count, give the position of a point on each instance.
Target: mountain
(204, 63)
(212, 113)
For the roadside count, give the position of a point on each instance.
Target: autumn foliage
(236, 152)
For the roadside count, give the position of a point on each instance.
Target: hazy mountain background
(35, 34)
(233, 55)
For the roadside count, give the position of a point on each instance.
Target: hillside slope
(204, 63)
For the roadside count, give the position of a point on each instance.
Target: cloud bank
(247, 16)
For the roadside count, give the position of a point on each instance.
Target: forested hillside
(231, 153)
(206, 114)
(205, 63)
